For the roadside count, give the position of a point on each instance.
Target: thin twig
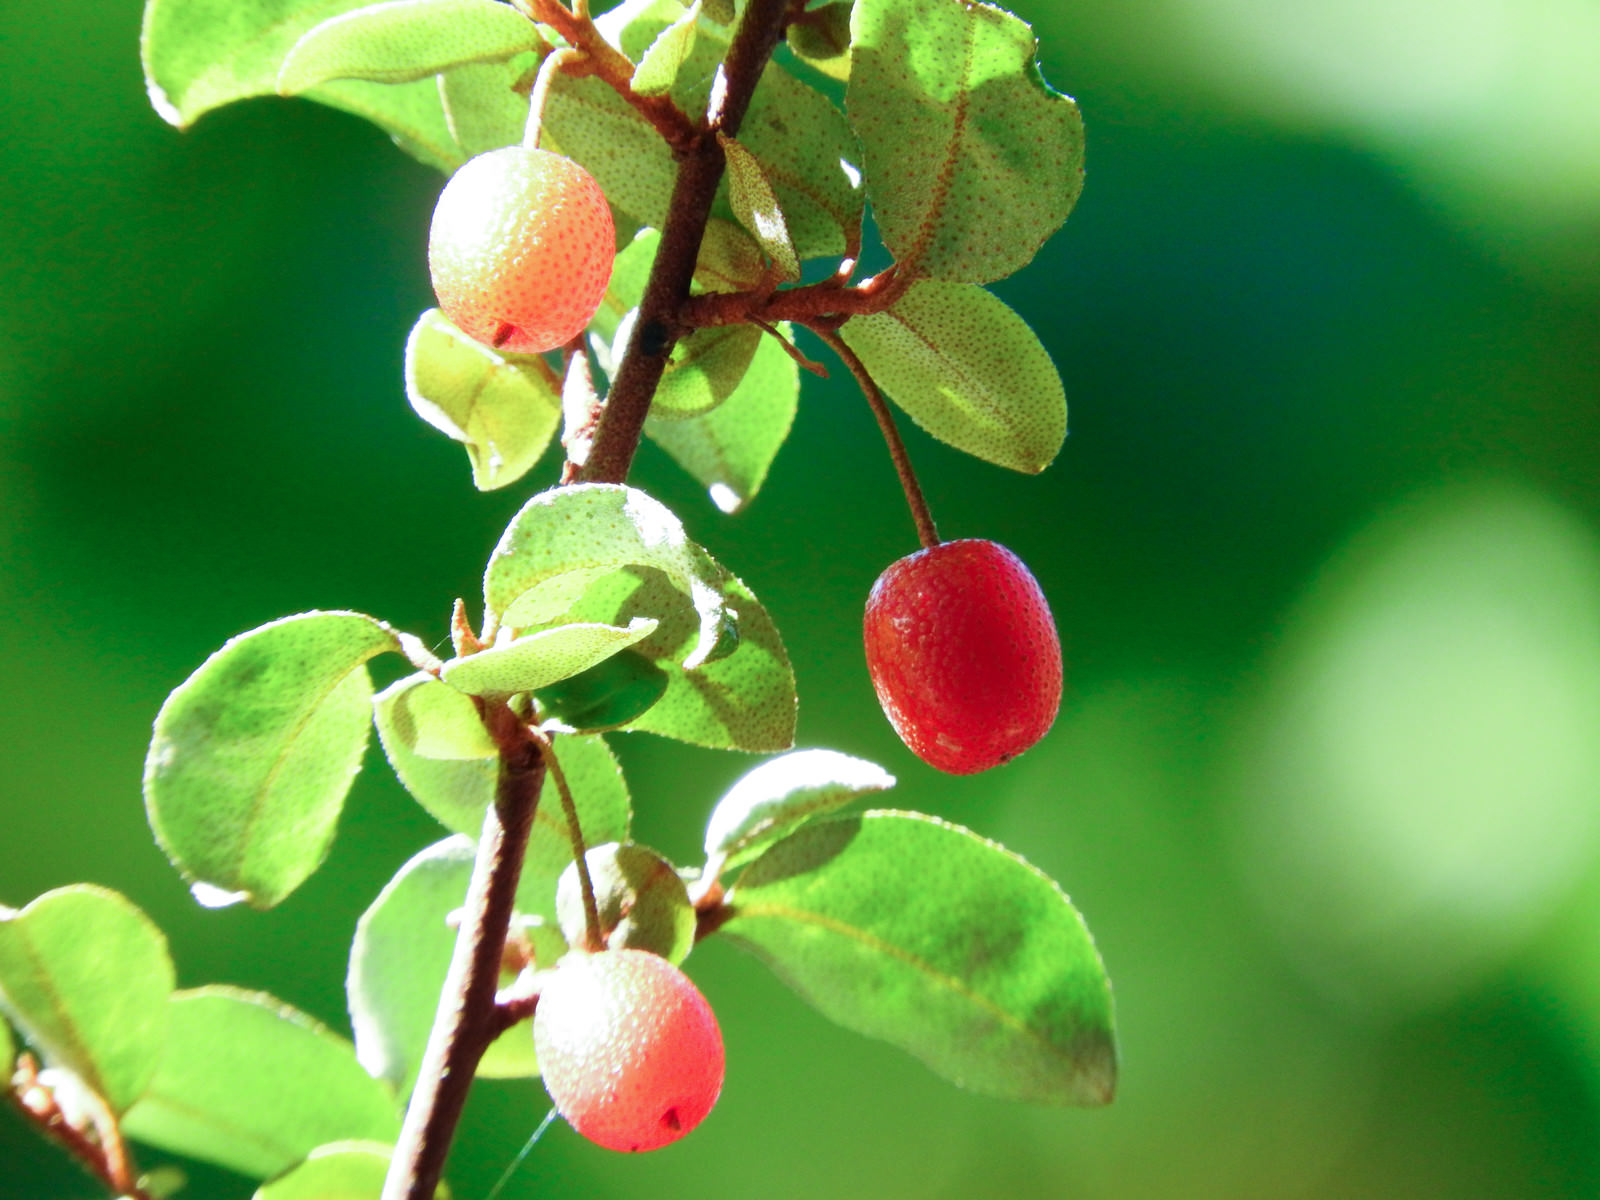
(106, 1158)
(926, 532)
(580, 852)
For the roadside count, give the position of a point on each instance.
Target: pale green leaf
(251, 1084)
(730, 259)
(823, 39)
(755, 206)
(401, 40)
(639, 897)
(910, 929)
(432, 719)
(730, 449)
(705, 369)
(412, 114)
(504, 409)
(769, 802)
(567, 538)
(658, 69)
(252, 755)
(537, 660)
(587, 121)
(482, 109)
(972, 160)
(968, 370)
(339, 1171)
(85, 976)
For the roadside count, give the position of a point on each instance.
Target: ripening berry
(628, 1047)
(963, 654)
(521, 249)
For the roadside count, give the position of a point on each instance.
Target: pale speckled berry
(963, 654)
(521, 249)
(628, 1047)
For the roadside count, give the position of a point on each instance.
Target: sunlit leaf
(587, 121)
(907, 928)
(253, 754)
(567, 538)
(85, 976)
(401, 40)
(658, 69)
(432, 719)
(481, 108)
(398, 963)
(770, 801)
(537, 660)
(823, 39)
(705, 369)
(730, 449)
(412, 114)
(730, 259)
(504, 409)
(968, 370)
(251, 1084)
(640, 899)
(755, 206)
(972, 160)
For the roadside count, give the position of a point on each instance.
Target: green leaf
(968, 370)
(398, 962)
(745, 701)
(481, 108)
(658, 69)
(504, 409)
(706, 368)
(412, 114)
(995, 162)
(253, 754)
(730, 259)
(810, 156)
(566, 538)
(640, 899)
(401, 40)
(431, 719)
(85, 976)
(251, 1084)
(587, 121)
(755, 205)
(201, 54)
(907, 928)
(823, 40)
(8, 1051)
(769, 802)
(540, 659)
(610, 695)
(730, 449)
(629, 272)
(339, 1171)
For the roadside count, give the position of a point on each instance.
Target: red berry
(628, 1047)
(521, 249)
(963, 654)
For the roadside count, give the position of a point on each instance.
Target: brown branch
(467, 1019)
(823, 304)
(104, 1156)
(926, 532)
(612, 66)
(700, 167)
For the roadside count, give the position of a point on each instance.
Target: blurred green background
(1324, 545)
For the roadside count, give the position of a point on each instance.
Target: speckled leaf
(705, 369)
(823, 40)
(658, 68)
(340, 1171)
(567, 538)
(398, 963)
(968, 370)
(537, 660)
(253, 754)
(412, 114)
(481, 109)
(972, 160)
(755, 206)
(401, 40)
(85, 976)
(504, 409)
(251, 1084)
(730, 259)
(730, 448)
(910, 929)
(431, 719)
(587, 121)
(609, 695)
(769, 802)
(811, 158)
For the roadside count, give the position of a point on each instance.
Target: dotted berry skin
(521, 249)
(628, 1047)
(963, 654)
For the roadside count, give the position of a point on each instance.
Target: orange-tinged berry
(963, 654)
(521, 249)
(628, 1047)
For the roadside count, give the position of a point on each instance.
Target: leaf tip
(209, 895)
(165, 108)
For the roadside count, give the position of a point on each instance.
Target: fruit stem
(580, 852)
(467, 1019)
(926, 531)
(554, 63)
(657, 327)
(104, 1156)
